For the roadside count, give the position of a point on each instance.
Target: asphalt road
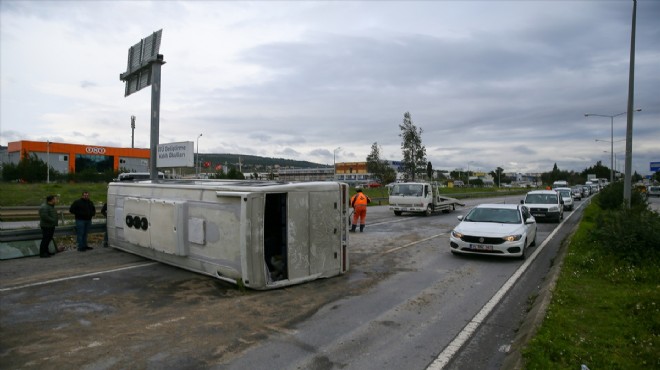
(404, 304)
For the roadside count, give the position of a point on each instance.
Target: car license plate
(481, 247)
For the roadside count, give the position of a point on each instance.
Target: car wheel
(522, 253)
(429, 210)
(397, 213)
(533, 241)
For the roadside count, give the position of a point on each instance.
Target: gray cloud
(494, 83)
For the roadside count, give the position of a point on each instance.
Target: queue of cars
(509, 229)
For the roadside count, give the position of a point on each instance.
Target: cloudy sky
(490, 83)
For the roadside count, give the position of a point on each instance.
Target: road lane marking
(464, 335)
(77, 276)
(413, 243)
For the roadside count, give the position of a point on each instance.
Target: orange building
(72, 158)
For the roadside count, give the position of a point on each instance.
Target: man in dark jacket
(84, 210)
(47, 222)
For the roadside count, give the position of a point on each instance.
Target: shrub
(631, 234)
(611, 197)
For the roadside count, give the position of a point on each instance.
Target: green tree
(29, 169)
(379, 169)
(497, 176)
(414, 153)
(235, 174)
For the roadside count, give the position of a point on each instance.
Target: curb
(537, 312)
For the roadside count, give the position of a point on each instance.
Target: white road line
(412, 243)
(464, 335)
(77, 276)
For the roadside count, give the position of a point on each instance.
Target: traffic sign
(655, 166)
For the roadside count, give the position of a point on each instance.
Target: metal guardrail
(31, 213)
(35, 234)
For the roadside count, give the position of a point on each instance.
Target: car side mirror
(522, 201)
(460, 218)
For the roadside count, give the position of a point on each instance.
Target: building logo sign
(91, 150)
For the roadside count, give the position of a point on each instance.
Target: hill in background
(253, 163)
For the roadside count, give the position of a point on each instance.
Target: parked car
(654, 191)
(577, 192)
(494, 229)
(567, 197)
(545, 205)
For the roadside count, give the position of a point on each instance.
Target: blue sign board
(655, 166)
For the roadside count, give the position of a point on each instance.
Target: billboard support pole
(155, 116)
(142, 70)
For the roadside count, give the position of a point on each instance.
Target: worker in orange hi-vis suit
(359, 203)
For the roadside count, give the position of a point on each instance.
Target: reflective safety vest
(359, 199)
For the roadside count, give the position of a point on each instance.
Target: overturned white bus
(262, 235)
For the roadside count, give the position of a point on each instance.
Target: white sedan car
(495, 229)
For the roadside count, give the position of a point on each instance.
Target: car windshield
(541, 199)
(565, 193)
(497, 215)
(407, 189)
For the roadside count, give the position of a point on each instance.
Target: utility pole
(48, 162)
(627, 185)
(132, 131)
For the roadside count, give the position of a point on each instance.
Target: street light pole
(197, 168)
(48, 162)
(334, 163)
(468, 174)
(611, 137)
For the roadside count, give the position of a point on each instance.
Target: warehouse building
(72, 158)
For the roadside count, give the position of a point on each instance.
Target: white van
(560, 184)
(137, 176)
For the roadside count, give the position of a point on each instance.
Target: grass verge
(34, 194)
(605, 311)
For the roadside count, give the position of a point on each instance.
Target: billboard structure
(142, 70)
(141, 56)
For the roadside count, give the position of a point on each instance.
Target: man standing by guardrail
(47, 222)
(84, 210)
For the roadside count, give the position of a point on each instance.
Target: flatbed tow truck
(420, 197)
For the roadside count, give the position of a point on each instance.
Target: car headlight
(512, 238)
(456, 234)
(553, 209)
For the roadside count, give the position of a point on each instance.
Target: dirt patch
(154, 316)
